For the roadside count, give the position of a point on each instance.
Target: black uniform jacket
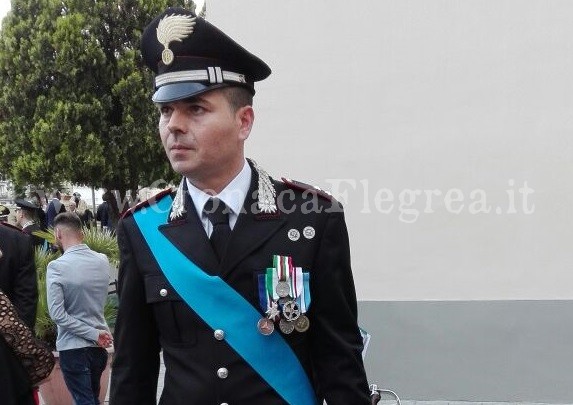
(150, 320)
(18, 272)
(18, 281)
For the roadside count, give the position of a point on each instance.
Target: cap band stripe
(212, 75)
(211, 72)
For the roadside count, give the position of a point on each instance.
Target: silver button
(224, 403)
(219, 334)
(163, 292)
(222, 373)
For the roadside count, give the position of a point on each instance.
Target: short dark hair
(238, 97)
(69, 220)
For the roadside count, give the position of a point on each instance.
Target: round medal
(285, 326)
(302, 323)
(291, 311)
(282, 289)
(265, 326)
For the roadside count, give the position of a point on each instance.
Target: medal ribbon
(263, 301)
(210, 296)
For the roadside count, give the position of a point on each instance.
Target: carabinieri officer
(243, 281)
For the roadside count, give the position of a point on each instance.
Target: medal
(291, 311)
(265, 326)
(302, 323)
(286, 327)
(282, 289)
(273, 311)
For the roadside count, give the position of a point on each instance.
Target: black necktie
(218, 214)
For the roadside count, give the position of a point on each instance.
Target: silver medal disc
(265, 326)
(282, 289)
(302, 323)
(291, 311)
(285, 326)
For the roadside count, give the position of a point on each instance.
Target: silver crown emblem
(173, 28)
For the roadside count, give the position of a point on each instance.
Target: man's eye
(165, 109)
(196, 109)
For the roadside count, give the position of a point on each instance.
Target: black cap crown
(190, 56)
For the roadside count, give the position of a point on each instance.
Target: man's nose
(177, 122)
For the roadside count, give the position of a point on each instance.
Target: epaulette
(152, 200)
(297, 185)
(8, 225)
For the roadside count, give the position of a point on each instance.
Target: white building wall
(395, 96)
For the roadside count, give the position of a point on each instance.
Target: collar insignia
(266, 198)
(266, 195)
(173, 28)
(178, 205)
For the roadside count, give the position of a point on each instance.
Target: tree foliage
(75, 95)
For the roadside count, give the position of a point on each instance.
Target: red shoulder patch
(147, 202)
(297, 185)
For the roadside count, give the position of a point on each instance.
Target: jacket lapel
(188, 235)
(251, 230)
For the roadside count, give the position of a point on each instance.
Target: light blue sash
(221, 307)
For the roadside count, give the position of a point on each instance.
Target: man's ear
(245, 117)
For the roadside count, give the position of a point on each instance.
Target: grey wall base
(476, 351)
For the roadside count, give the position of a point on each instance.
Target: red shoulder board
(7, 225)
(147, 203)
(297, 185)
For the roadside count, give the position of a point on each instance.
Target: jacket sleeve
(136, 360)
(335, 338)
(25, 296)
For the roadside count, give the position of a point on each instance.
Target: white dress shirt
(233, 196)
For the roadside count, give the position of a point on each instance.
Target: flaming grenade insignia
(173, 28)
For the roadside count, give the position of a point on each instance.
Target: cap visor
(178, 91)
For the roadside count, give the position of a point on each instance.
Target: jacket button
(219, 334)
(224, 403)
(163, 292)
(222, 373)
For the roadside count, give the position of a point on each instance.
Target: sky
(4, 8)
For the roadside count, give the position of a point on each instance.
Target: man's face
(202, 136)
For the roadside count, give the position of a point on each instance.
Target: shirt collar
(233, 195)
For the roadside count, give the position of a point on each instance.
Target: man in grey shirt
(77, 285)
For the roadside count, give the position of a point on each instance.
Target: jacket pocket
(176, 322)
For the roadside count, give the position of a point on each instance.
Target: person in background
(107, 212)
(77, 284)
(72, 207)
(42, 205)
(243, 282)
(55, 207)
(18, 282)
(27, 218)
(82, 210)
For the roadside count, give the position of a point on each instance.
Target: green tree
(75, 95)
